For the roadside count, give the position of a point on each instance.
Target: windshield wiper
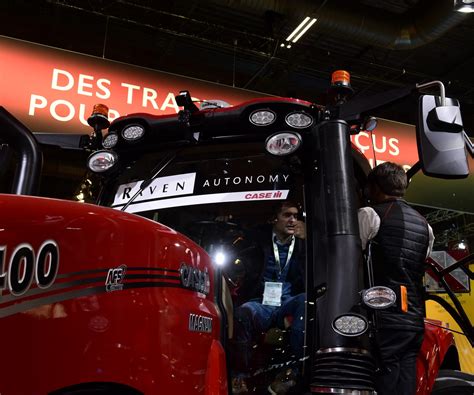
(156, 172)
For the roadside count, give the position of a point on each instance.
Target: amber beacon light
(341, 78)
(100, 117)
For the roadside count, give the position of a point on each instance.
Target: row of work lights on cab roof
(282, 143)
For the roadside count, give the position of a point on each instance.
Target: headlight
(283, 143)
(110, 141)
(133, 132)
(299, 120)
(379, 297)
(262, 117)
(101, 161)
(350, 325)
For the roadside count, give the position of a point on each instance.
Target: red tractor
(129, 295)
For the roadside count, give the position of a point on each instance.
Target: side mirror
(440, 138)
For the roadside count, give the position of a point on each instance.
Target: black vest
(399, 252)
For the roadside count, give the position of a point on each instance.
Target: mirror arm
(441, 89)
(353, 109)
(413, 170)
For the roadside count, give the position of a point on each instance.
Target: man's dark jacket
(256, 258)
(399, 252)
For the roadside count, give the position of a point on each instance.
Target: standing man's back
(401, 239)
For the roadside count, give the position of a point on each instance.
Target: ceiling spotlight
(465, 6)
(460, 245)
(302, 28)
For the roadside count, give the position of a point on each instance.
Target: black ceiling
(384, 44)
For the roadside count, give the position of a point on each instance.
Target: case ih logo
(195, 279)
(115, 278)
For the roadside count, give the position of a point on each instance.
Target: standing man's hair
(390, 178)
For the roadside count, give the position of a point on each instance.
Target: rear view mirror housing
(446, 118)
(440, 138)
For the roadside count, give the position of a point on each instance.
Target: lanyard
(277, 253)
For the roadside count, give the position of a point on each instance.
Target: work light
(133, 132)
(299, 120)
(379, 297)
(283, 143)
(110, 141)
(350, 325)
(101, 161)
(262, 117)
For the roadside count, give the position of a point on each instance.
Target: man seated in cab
(275, 289)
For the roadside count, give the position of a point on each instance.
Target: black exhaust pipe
(30, 159)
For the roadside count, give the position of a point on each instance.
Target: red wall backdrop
(53, 90)
(390, 141)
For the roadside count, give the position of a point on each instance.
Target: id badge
(272, 293)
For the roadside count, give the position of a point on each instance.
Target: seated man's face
(285, 222)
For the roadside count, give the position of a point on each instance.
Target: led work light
(262, 117)
(379, 297)
(283, 143)
(350, 325)
(101, 161)
(299, 120)
(133, 132)
(110, 141)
